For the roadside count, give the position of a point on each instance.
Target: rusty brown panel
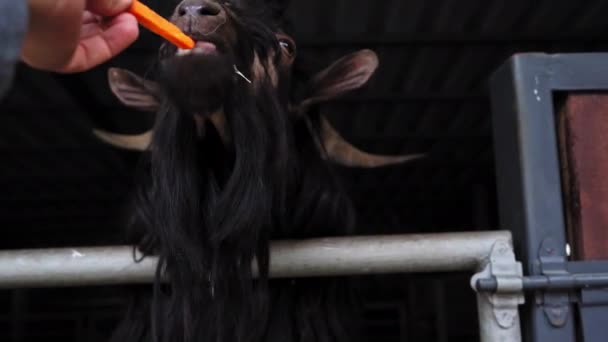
(583, 136)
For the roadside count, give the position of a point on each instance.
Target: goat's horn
(342, 152)
(139, 142)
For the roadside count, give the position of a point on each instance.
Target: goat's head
(234, 43)
(240, 42)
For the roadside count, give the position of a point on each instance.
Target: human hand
(77, 35)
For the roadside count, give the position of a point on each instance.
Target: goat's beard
(208, 210)
(198, 83)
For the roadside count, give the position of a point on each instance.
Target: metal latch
(503, 276)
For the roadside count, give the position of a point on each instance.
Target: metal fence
(531, 206)
(488, 253)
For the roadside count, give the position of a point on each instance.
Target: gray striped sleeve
(13, 23)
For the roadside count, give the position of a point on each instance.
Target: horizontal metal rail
(289, 259)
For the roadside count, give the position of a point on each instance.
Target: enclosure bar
(289, 259)
(489, 328)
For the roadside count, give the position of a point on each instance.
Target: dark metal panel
(528, 179)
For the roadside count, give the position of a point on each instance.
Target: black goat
(239, 156)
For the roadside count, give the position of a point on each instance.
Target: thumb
(108, 8)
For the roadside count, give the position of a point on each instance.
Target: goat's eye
(287, 46)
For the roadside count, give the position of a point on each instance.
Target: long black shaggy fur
(208, 209)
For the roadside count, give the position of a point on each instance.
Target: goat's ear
(348, 73)
(134, 91)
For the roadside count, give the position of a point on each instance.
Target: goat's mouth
(204, 46)
(201, 48)
(199, 80)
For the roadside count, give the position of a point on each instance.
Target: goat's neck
(218, 119)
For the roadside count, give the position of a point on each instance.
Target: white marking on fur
(238, 72)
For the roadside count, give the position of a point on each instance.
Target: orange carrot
(159, 25)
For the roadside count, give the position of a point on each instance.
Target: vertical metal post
(489, 328)
(404, 315)
(18, 313)
(528, 177)
(440, 321)
(499, 312)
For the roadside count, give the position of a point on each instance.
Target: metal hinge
(556, 304)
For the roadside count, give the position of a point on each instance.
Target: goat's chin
(198, 83)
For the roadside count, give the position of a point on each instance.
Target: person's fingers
(62, 36)
(103, 43)
(91, 25)
(53, 31)
(108, 8)
(89, 17)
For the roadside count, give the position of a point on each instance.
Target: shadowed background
(59, 186)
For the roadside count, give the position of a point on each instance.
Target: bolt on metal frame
(474, 251)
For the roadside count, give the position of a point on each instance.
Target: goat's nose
(198, 8)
